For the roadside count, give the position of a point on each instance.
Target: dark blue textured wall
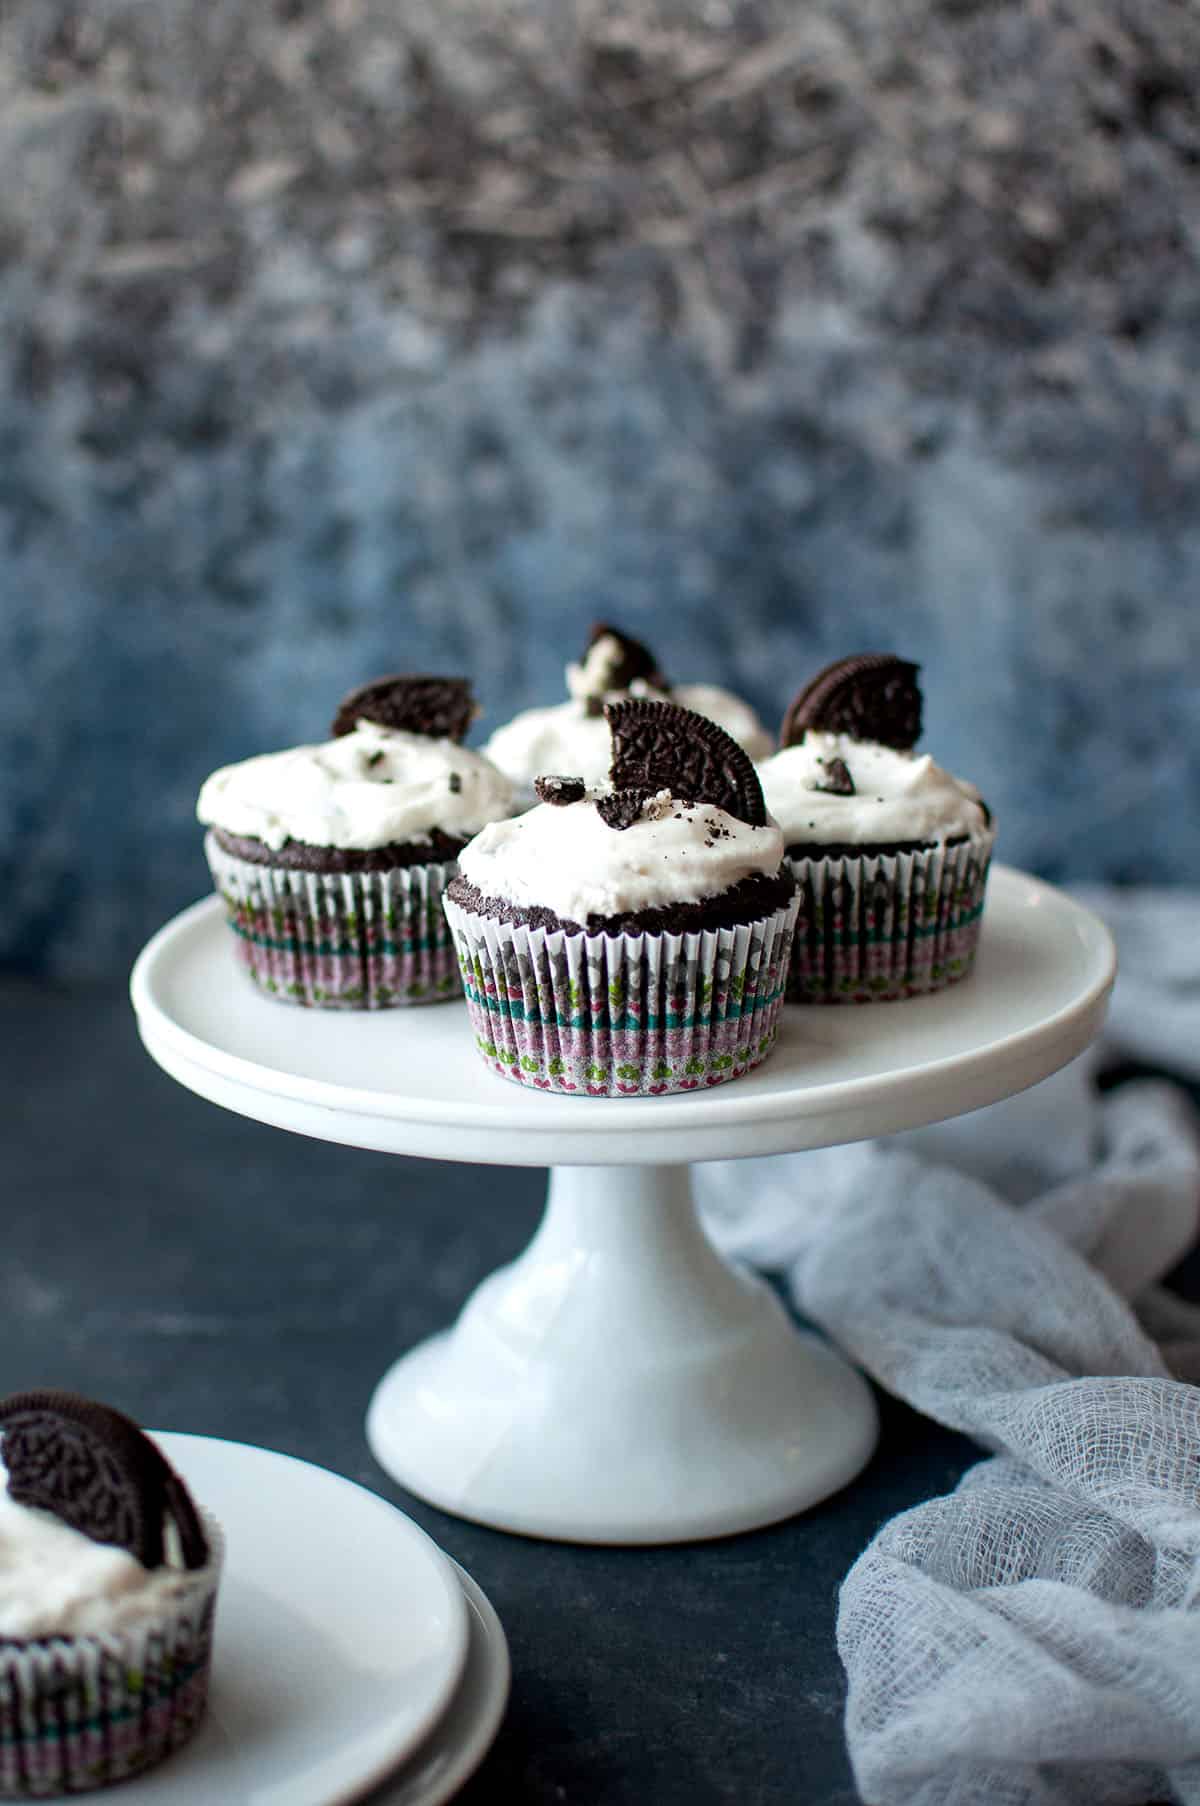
(346, 336)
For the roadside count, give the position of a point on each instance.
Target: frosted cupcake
(890, 851)
(332, 859)
(631, 941)
(108, 1584)
(572, 736)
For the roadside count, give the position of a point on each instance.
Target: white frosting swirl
(374, 787)
(55, 1581)
(898, 795)
(567, 859)
(566, 741)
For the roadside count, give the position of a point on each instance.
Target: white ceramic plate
(411, 1082)
(459, 1741)
(342, 1636)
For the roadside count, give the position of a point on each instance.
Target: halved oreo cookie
(95, 1470)
(871, 696)
(659, 746)
(442, 708)
(613, 661)
(560, 791)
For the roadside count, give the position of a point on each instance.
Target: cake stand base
(621, 1383)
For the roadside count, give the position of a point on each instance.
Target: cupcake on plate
(890, 851)
(331, 859)
(108, 1585)
(635, 940)
(572, 736)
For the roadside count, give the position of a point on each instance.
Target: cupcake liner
(77, 1713)
(340, 940)
(623, 1015)
(881, 926)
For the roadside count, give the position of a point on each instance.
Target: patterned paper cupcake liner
(626, 1015)
(879, 927)
(77, 1713)
(340, 940)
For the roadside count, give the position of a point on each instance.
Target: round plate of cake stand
(620, 1382)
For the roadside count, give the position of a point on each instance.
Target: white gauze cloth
(1033, 1638)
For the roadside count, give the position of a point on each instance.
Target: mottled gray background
(342, 336)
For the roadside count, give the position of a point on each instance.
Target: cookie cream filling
(566, 740)
(567, 859)
(374, 787)
(898, 795)
(55, 1581)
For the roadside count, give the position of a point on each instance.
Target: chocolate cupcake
(331, 859)
(572, 736)
(890, 851)
(632, 941)
(108, 1588)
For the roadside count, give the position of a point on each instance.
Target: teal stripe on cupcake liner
(876, 927)
(924, 931)
(334, 950)
(175, 1677)
(592, 1014)
(514, 1010)
(339, 940)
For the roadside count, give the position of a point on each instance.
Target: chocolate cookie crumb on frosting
(93, 1468)
(836, 779)
(615, 661)
(619, 809)
(559, 790)
(441, 708)
(869, 696)
(660, 746)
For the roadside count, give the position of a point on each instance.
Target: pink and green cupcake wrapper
(625, 1015)
(877, 927)
(77, 1713)
(339, 940)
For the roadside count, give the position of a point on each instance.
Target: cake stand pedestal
(620, 1382)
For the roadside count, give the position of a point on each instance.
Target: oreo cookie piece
(613, 661)
(870, 696)
(836, 779)
(442, 708)
(95, 1470)
(619, 809)
(560, 791)
(660, 746)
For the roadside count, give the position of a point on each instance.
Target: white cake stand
(620, 1382)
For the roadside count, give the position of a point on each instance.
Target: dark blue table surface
(212, 1275)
